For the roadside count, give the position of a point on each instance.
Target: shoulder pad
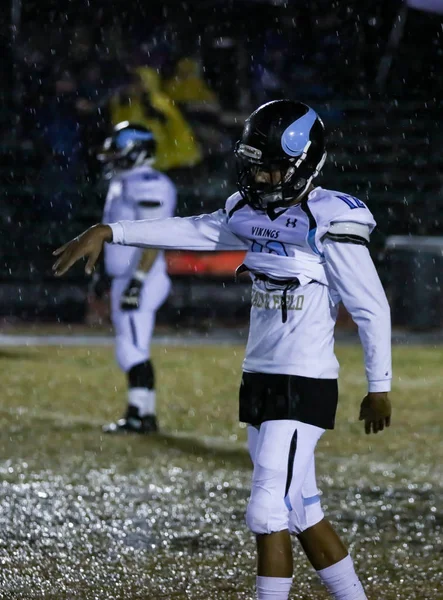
(329, 206)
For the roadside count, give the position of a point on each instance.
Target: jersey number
(270, 247)
(352, 202)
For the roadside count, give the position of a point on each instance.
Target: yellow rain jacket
(176, 146)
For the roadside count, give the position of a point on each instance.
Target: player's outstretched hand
(89, 244)
(375, 411)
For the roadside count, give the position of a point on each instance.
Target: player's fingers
(367, 427)
(375, 426)
(56, 264)
(69, 257)
(381, 425)
(388, 421)
(61, 261)
(65, 264)
(62, 248)
(91, 261)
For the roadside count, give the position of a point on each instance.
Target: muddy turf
(84, 515)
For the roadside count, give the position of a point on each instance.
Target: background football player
(140, 283)
(306, 250)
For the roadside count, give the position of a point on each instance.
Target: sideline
(106, 340)
(216, 337)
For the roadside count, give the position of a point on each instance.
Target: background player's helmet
(284, 136)
(130, 145)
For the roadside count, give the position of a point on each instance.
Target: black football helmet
(130, 145)
(280, 136)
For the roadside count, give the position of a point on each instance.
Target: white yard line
(104, 340)
(219, 337)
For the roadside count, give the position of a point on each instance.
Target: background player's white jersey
(140, 193)
(319, 243)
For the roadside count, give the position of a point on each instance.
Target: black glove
(130, 299)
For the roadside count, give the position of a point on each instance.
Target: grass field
(94, 517)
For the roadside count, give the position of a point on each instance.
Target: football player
(306, 251)
(140, 283)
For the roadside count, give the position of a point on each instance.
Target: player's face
(270, 177)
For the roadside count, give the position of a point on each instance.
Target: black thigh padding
(141, 376)
(291, 458)
(273, 397)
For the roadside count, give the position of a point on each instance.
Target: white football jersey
(303, 260)
(140, 193)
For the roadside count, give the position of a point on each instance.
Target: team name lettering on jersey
(273, 301)
(263, 232)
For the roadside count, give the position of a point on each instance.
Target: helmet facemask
(285, 182)
(120, 153)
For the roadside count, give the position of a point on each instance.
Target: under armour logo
(291, 222)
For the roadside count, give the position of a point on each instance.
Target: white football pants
(133, 329)
(284, 493)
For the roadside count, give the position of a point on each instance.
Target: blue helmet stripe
(296, 136)
(129, 135)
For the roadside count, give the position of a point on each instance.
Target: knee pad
(305, 513)
(265, 513)
(141, 376)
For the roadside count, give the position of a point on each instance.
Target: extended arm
(208, 232)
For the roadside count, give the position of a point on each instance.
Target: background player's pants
(133, 329)
(284, 493)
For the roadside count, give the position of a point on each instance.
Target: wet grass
(88, 516)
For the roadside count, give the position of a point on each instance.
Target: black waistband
(284, 283)
(262, 277)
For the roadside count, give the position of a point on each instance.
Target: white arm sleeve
(352, 273)
(202, 233)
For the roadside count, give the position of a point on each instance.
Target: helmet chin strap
(277, 198)
(304, 188)
(301, 186)
(305, 183)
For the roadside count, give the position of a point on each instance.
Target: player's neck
(303, 196)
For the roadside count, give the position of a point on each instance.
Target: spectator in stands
(188, 88)
(200, 105)
(144, 103)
